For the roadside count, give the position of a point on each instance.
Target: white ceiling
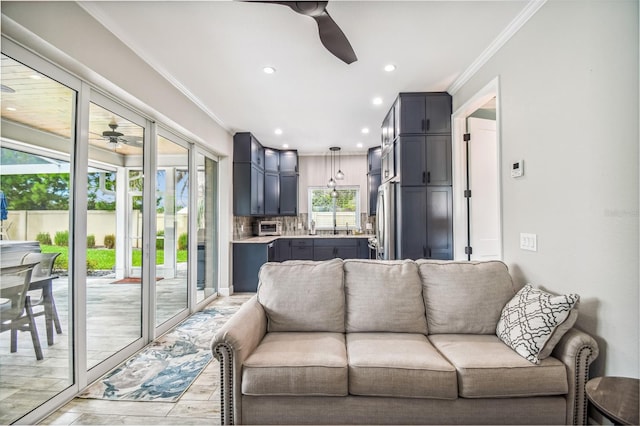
(215, 52)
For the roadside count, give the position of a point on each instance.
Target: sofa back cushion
(464, 297)
(303, 295)
(384, 296)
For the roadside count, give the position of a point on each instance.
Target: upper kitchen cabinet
(271, 160)
(423, 113)
(265, 180)
(374, 167)
(374, 159)
(247, 149)
(289, 161)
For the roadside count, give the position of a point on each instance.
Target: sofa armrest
(231, 345)
(577, 350)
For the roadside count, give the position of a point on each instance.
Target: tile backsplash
(243, 225)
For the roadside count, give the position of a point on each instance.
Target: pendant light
(339, 175)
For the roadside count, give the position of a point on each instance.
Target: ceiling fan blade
(331, 35)
(334, 39)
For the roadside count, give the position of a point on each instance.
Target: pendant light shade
(339, 175)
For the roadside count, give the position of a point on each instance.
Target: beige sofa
(393, 342)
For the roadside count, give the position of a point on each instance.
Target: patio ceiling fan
(331, 35)
(114, 137)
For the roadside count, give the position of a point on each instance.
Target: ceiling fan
(114, 138)
(331, 35)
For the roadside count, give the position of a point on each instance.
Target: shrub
(44, 238)
(160, 241)
(91, 241)
(92, 265)
(109, 241)
(61, 238)
(183, 241)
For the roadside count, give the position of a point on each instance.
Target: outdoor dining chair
(16, 314)
(41, 291)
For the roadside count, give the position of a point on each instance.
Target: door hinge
(467, 137)
(467, 193)
(468, 250)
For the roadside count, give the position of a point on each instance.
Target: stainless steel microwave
(267, 227)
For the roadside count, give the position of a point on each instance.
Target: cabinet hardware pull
(423, 178)
(423, 125)
(428, 124)
(429, 252)
(428, 177)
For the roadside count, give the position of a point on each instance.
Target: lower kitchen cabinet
(331, 248)
(247, 260)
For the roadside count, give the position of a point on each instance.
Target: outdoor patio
(113, 321)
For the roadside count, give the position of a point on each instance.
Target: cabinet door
(257, 191)
(242, 182)
(438, 160)
(288, 195)
(440, 222)
(413, 223)
(412, 113)
(323, 252)
(413, 167)
(302, 249)
(283, 249)
(247, 260)
(257, 153)
(374, 159)
(388, 163)
(387, 130)
(242, 147)
(438, 113)
(346, 252)
(271, 194)
(373, 182)
(289, 161)
(271, 160)
(363, 248)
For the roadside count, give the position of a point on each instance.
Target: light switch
(529, 242)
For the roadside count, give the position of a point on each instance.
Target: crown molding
(514, 26)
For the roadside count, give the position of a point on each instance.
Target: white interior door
(484, 209)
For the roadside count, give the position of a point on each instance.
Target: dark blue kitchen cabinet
(425, 160)
(288, 195)
(271, 193)
(271, 160)
(374, 167)
(289, 161)
(248, 190)
(247, 260)
(424, 113)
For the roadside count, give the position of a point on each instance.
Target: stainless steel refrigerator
(386, 222)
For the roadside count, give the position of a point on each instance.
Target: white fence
(25, 225)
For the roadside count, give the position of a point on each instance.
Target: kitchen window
(341, 212)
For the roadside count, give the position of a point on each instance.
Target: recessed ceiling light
(359, 145)
(278, 131)
(36, 77)
(269, 70)
(285, 145)
(365, 130)
(377, 101)
(11, 109)
(389, 68)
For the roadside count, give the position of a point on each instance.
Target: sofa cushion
(383, 296)
(464, 297)
(398, 365)
(529, 320)
(487, 368)
(303, 295)
(297, 364)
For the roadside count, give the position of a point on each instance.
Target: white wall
(316, 170)
(569, 105)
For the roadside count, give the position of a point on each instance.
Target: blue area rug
(165, 369)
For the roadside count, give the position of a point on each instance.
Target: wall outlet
(241, 228)
(529, 242)
(299, 225)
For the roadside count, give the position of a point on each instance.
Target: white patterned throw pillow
(529, 319)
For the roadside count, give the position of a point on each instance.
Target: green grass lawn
(102, 258)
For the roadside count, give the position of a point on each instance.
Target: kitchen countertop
(267, 240)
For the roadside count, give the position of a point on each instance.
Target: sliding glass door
(114, 231)
(172, 213)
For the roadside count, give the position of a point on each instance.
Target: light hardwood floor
(200, 404)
